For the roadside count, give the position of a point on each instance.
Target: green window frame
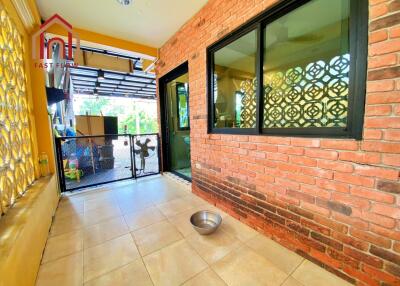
(333, 126)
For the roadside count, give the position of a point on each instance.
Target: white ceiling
(149, 22)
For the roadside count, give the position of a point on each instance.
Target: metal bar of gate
(133, 168)
(60, 164)
(133, 158)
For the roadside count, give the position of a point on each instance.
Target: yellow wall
(24, 229)
(23, 233)
(42, 120)
(14, 16)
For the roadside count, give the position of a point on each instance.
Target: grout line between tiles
(182, 238)
(294, 270)
(112, 270)
(107, 240)
(108, 272)
(208, 264)
(141, 257)
(114, 197)
(61, 257)
(212, 269)
(83, 247)
(145, 266)
(83, 264)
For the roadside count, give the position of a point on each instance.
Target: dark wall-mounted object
(54, 95)
(111, 126)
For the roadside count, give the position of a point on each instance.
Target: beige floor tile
(100, 203)
(143, 218)
(165, 186)
(133, 274)
(155, 237)
(103, 231)
(311, 274)
(63, 245)
(174, 264)
(207, 277)
(152, 191)
(214, 246)
(69, 209)
(182, 223)
(68, 214)
(194, 201)
(245, 267)
(237, 228)
(159, 196)
(292, 282)
(66, 224)
(142, 196)
(97, 215)
(66, 271)
(127, 206)
(68, 200)
(109, 256)
(94, 194)
(137, 196)
(174, 207)
(280, 256)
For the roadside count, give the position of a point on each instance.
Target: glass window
(303, 53)
(306, 67)
(182, 93)
(235, 83)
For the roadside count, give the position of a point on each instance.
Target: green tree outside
(127, 111)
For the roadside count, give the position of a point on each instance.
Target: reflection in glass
(306, 67)
(235, 84)
(183, 105)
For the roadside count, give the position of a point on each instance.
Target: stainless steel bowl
(205, 222)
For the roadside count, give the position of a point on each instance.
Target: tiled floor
(138, 233)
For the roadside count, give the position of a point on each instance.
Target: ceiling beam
(134, 74)
(115, 94)
(121, 83)
(97, 38)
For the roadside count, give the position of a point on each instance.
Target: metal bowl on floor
(205, 222)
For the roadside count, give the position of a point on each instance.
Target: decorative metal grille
(315, 95)
(16, 164)
(249, 103)
(145, 149)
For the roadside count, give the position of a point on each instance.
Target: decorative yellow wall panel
(16, 163)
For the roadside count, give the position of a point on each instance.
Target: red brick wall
(336, 202)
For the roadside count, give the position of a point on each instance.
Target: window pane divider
(260, 78)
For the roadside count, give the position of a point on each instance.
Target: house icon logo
(41, 54)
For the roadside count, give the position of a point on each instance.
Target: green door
(179, 126)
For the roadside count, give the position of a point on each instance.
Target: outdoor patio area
(138, 233)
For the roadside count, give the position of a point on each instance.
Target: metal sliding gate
(85, 161)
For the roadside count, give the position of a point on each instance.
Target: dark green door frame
(162, 90)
